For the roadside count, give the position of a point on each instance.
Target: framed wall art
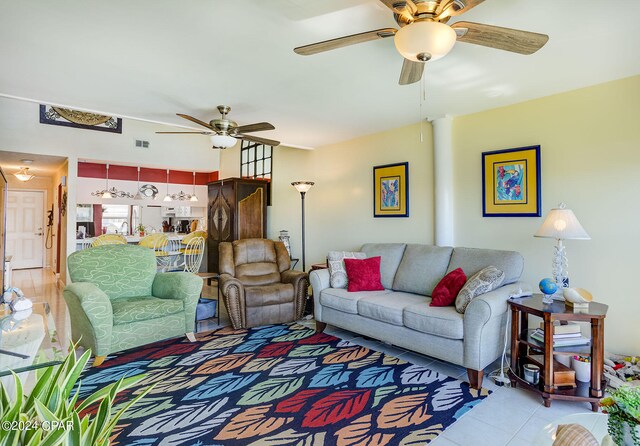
(391, 190)
(511, 183)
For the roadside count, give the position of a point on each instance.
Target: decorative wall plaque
(79, 119)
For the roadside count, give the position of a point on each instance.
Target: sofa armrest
(300, 282)
(180, 286)
(233, 294)
(484, 325)
(320, 280)
(91, 316)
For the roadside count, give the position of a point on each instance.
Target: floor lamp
(302, 187)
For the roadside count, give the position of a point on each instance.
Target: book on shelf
(558, 336)
(563, 329)
(538, 335)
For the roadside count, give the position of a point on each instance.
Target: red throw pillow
(445, 292)
(363, 275)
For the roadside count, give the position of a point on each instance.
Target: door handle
(39, 233)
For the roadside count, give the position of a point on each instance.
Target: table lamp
(561, 224)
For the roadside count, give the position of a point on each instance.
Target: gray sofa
(401, 315)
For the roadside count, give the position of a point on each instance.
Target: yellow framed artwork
(511, 183)
(391, 190)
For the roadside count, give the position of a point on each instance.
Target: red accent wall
(95, 170)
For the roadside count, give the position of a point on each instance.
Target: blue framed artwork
(511, 183)
(391, 190)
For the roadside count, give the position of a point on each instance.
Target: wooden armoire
(237, 209)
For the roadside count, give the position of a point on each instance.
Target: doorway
(25, 228)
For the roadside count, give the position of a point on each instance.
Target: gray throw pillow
(481, 282)
(337, 271)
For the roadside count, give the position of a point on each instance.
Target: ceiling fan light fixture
(223, 141)
(422, 41)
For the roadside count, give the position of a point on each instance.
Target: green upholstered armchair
(118, 301)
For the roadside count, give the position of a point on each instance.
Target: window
(256, 163)
(255, 160)
(114, 216)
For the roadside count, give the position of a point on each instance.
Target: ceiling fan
(225, 132)
(424, 35)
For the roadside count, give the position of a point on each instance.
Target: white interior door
(25, 223)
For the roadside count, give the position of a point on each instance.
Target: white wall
(339, 208)
(590, 153)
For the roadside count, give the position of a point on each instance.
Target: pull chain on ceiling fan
(424, 34)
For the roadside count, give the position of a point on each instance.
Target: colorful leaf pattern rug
(279, 385)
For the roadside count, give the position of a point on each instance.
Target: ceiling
(150, 59)
(42, 166)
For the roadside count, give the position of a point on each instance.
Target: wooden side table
(526, 350)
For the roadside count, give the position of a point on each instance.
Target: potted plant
(52, 415)
(140, 229)
(623, 408)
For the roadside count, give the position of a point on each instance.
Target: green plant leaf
(43, 412)
(42, 385)
(104, 391)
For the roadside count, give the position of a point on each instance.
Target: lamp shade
(223, 141)
(562, 224)
(422, 41)
(302, 186)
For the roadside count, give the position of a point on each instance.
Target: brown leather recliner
(257, 285)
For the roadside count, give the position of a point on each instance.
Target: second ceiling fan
(224, 132)
(425, 36)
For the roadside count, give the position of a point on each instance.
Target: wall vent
(142, 144)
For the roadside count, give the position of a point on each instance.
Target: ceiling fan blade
(186, 133)
(265, 141)
(508, 39)
(196, 120)
(258, 127)
(405, 8)
(340, 42)
(452, 8)
(411, 72)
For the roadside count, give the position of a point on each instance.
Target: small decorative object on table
(623, 408)
(548, 288)
(582, 367)
(531, 373)
(577, 299)
(140, 229)
(284, 238)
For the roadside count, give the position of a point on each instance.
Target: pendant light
(23, 174)
(107, 193)
(167, 197)
(138, 195)
(194, 198)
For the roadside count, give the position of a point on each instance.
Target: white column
(443, 174)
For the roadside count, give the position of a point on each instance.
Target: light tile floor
(508, 417)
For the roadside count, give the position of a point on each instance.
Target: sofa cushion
(363, 274)
(446, 291)
(472, 260)
(277, 293)
(342, 300)
(391, 255)
(142, 308)
(338, 274)
(389, 307)
(421, 268)
(481, 282)
(440, 321)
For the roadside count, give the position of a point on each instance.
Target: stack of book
(563, 335)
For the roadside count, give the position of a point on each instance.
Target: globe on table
(548, 287)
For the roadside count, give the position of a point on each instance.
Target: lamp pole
(303, 187)
(302, 194)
